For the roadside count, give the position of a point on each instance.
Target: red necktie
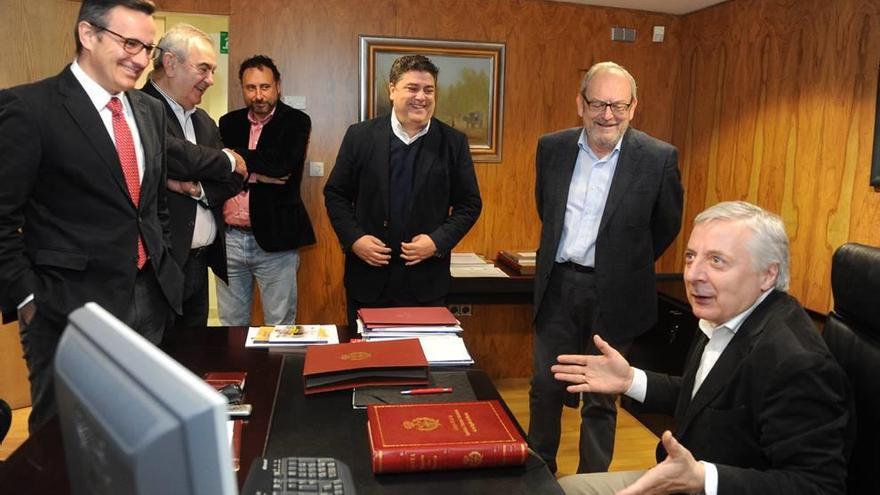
(128, 159)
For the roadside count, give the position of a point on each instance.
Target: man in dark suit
(201, 177)
(83, 186)
(267, 222)
(610, 200)
(762, 403)
(390, 193)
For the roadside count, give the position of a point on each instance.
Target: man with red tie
(83, 193)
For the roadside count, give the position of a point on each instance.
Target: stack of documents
(291, 336)
(436, 328)
(470, 265)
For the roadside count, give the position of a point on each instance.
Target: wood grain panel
(777, 108)
(38, 39)
(315, 44)
(14, 385)
(499, 338)
(217, 7)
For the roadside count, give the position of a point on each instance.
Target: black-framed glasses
(617, 107)
(130, 45)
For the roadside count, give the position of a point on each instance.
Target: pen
(423, 391)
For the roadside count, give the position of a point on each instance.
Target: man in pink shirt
(267, 222)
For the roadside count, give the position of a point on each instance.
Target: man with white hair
(201, 177)
(762, 406)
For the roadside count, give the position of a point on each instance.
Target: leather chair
(852, 333)
(5, 419)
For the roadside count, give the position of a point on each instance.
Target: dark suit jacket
(62, 184)
(357, 194)
(206, 163)
(279, 218)
(774, 413)
(642, 216)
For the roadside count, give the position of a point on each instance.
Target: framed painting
(470, 86)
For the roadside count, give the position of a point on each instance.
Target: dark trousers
(396, 293)
(565, 325)
(148, 314)
(195, 290)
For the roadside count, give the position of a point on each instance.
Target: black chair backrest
(5, 419)
(852, 332)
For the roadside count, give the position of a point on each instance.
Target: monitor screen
(134, 420)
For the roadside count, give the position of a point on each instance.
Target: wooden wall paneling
(499, 338)
(38, 39)
(780, 101)
(217, 7)
(315, 44)
(14, 384)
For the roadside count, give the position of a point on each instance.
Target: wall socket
(465, 310)
(316, 169)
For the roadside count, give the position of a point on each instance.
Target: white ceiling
(665, 6)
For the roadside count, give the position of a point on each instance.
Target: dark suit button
(192, 224)
(385, 223)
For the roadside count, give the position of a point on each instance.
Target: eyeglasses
(130, 45)
(617, 107)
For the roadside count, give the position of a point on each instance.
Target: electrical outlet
(659, 33)
(316, 169)
(455, 309)
(466, 310)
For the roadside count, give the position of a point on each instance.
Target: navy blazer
(642, 217)
(775, 413)
(357, 199)
(203, 162)
(62, 184)
(279, 218)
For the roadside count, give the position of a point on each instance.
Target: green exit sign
(224, 42)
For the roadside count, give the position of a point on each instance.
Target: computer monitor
(134, 420)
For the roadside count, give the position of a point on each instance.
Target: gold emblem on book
(356, 356)
(422, 424)
(473, 459)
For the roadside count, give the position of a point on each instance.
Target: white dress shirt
(719, 337)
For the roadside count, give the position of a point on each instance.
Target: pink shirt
(237, 210)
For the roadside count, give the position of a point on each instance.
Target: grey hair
(603, 67)
(177, 40)
(769, 244)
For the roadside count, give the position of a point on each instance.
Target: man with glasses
(201, 177)
(610, 201)
(83, 193)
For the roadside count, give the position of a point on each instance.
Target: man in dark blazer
(75, 226)
(390, 194)
(762, 405)
(267, 222)
(610, 201)
(201, 177)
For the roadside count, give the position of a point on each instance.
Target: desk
(325, 424)
(284, 422)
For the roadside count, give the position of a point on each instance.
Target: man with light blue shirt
(762, 406)
(610, 202)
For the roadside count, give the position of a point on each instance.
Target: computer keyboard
(298, 475)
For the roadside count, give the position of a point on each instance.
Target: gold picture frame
(470, 86)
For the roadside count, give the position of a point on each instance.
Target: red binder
(359, 364)
(426, 315)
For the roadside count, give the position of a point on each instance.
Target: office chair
(5, 419)
(852, 333)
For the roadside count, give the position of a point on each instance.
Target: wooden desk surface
(39, 463)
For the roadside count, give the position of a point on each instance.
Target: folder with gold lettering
(361, 364)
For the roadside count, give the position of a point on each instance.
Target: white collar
(400, 132)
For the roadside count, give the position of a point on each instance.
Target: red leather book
(443, 436)
(360, 364)
(426, 315)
